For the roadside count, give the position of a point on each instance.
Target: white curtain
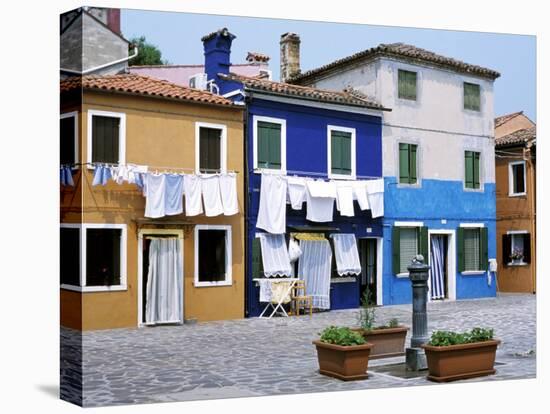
(347, 255)
(164, 281)
(437, 270)
(314, 268)
(275, 257)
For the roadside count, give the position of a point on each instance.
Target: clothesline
(323, 174)
(152, 167)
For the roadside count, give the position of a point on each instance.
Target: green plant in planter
(447, 338)
(367, 313)
(341, 336)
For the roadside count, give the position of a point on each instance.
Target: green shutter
(345, 142)
(340, 152)
(460, 248)
(406, 84)
(269, 145)
(484, 249)
(412, 164)
(476, 169)
(275, 147)
(105, 139)
(263, 145)
(472, 96)
(404, 163)
(395, 250)
(469, 169)
(423, 243)
(257, 265)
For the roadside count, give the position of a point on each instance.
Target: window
(408, 240)
(68, 138)
(517, 183)
(516, 248)
(107, 132)
(93, 257)
(341, 152)
(472, 248)
(212, 255)
(211, 147)
(471, 173)
(472, 94)
(406, 84)
(407, 163)
(269, 143)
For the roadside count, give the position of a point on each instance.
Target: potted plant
(452, 356)
(387, 340)
(517, 256)
(343, 354)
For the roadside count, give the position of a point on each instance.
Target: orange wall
(158, 133)
(515, 124)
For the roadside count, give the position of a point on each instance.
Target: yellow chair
(300, 299)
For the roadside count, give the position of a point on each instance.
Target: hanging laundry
(296, 192)
(344, 201)
(119, 173)
(360, 194)
(173, 194)
(193, 193)
(272, 210)
(102, 174)
(135, 173)
(228, 190)
(210, 188)
(320, 197)
(66, 176)
(375, 191)
(155, 190)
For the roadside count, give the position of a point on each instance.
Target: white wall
(436, 120)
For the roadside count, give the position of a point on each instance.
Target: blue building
(306, 133)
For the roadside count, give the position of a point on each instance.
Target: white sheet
(228, 191)
(314, 268)
(360, 194)
(320, 208)
(275, 259)
(193, 192)
(155, 195)
(211, 195)
(173, 194)
(344, 201)
(347, 255)
(296, 192)
(272, 210)
(375, 191)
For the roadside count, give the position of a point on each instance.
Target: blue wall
(437, 200)
(306, 149)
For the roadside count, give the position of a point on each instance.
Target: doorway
(368, 254)
(439, 260)
(160, 277)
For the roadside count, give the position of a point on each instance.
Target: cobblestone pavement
(254, 357)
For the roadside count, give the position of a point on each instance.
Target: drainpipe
(85, 72)
(527, 156)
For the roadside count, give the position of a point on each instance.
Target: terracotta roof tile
(500, 120)
(348, 96)
(142, 85)
(403, 51)
(257, 57)
(518, 137)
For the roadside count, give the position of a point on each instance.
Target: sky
(178, 36)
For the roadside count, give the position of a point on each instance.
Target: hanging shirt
(211, 197)
(344, 201)
(375, 191)
(360, 194)
(102, 174)
(272, 210)
(228, 190)
(173, 194)
(320, 200)
(193, 192)
(296, 191)
(66, 176)
(155, 188)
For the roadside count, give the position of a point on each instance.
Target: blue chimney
(217, 52)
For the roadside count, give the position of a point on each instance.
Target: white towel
(344, 201)
(360, 194)
(320, 188)
(375, 191)
(320, 207)
(272, 210)
(296, 192)
(155, 195)
(228, 190)
(265, 290)
(211, 195)
(193, 191)
(174, 194)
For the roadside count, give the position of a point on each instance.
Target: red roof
(142, 85)
(505, 118)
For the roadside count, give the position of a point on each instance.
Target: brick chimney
(290, 56)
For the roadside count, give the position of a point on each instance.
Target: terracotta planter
(449, 363)
(343, 362)
(387, 343)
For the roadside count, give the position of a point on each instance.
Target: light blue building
(438, 164)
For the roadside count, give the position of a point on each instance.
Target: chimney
(217, 53)
(290, 56)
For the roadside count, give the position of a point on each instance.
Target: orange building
(117, 265)
(515, 155)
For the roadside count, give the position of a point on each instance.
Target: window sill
(517, 264)
(473, 272)
(524, 195)
(402, 275)
(341, 177)
(212, 284)
(269, 170)
(85, 289)
(405, 185)
(474, 190)
(342, 279)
